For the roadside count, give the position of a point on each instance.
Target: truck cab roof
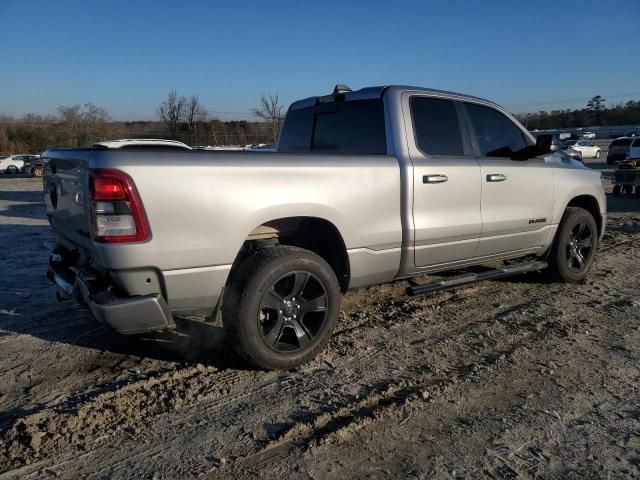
(368, 93)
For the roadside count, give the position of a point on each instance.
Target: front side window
(436, 126)
(497, 135)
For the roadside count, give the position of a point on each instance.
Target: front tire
(281, 306)
(574, 247)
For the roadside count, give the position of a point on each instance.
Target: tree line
(188, 120)
(595, 113)
(179, 118)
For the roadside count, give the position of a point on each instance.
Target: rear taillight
(118, 215)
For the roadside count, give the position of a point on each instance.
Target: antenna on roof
(340, 89)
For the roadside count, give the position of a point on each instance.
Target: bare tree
(171, 111)
(271, 111)
(194, 112)
(70, 121)
(81, 126)
(93, 122)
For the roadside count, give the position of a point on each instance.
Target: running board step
(466, 278)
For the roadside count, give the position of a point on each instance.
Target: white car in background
(141, 143)
(12, 164)
(585, 147)
(588, 135)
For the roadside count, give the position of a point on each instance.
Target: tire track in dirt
(389, 400)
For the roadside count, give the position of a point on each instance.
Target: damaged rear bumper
(126, 315)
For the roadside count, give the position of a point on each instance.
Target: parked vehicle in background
(32, 164)
(12, 164)
(588, 135)
(260, 147)
(557, 144)
(142, 143)
(627, 177)
(585, 147)
(365, 188)
(619, 149)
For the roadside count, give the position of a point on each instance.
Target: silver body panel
(201, 206)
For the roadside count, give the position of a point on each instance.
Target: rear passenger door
(446, 182)
(517, 195)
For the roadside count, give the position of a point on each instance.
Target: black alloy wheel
(293, 311)
(280, 306)
(580, 247)
(572, 254)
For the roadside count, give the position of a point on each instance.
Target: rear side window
(497, 135)
(436, 126)
(636, 143)
(351, 128)
(622, 142)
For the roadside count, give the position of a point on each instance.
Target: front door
(517, 195)
(446, 183)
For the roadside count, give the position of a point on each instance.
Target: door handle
(434, 178)
(496, 177)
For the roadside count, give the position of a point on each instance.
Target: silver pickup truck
(366, 187)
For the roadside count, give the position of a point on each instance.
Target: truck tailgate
(66, 190)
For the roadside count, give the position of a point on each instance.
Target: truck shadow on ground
(22, 209)
(190, 342)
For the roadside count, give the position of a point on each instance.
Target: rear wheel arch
(315, 234)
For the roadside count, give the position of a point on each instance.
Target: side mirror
(543, 144)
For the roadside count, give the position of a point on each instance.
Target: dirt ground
(507, 379)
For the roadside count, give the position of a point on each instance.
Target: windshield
(621, 142)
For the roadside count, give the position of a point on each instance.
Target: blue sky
(126, 55)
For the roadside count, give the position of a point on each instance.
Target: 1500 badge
(537, 220)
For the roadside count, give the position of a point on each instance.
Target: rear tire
(12, 169)
(281, 306)
(616, 190)
(627, 189)
(598, 153)
(36, 172)
(574, 247)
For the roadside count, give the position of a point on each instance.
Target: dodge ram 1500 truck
(366, 187)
